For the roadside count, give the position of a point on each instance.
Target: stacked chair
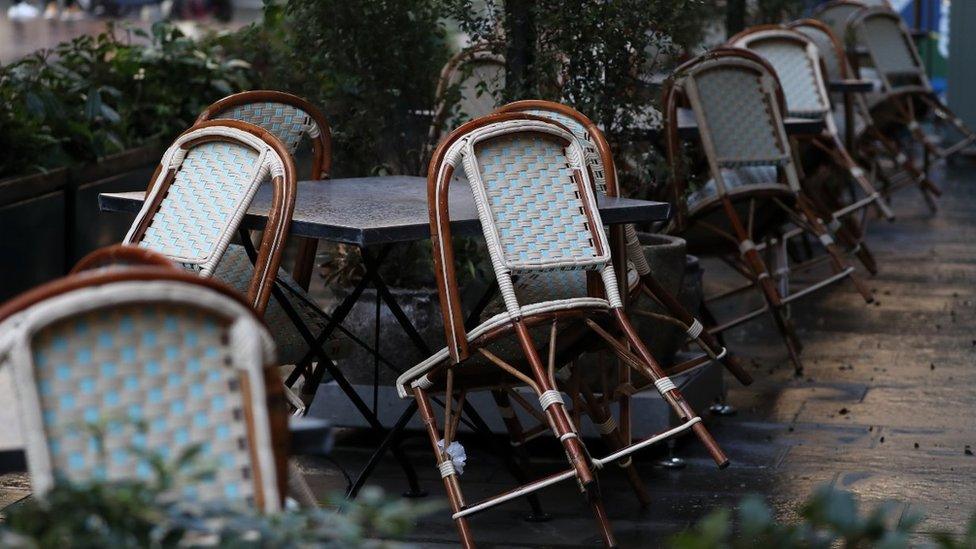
(538, 213)
(754, 188)
(870, 144)
(133, 341)
(797, 63)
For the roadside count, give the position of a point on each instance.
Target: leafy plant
(149, 513)
(830, 518)
(97, 95)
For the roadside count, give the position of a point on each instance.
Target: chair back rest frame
(828, 45)
(251, 353)
(798, 66)
(461, 151)
(258, 107)
(909, 65)
(681, 89)
(272, 159)
(837, 15)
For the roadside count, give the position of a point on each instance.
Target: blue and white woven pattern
(737, 112)
(799, 74)
(534, 201)
(590, 152)
(531, 208)
(209, 187)
(157, 367)
(214, 184)
(286, 122)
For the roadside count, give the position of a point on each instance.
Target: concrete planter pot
(421, 307)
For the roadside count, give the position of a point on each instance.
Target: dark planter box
(50, 220)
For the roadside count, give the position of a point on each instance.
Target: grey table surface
(370, 211)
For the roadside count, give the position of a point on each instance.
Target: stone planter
(421, 307)
(50, 220)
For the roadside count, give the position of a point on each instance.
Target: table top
(688, 126)
(368, 211)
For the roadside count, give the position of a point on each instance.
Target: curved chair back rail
(473, 78)
(796, 60)
(836, 14)
(891, 50)
(122, 255)
(536, 204)
(201, 192)
(288, 117)
(159, 361)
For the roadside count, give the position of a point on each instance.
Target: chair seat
(734, 179)
(506, 348)
(236, 270)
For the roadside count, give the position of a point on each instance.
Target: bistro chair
(114, 367)
(905, 85)
(797, 63)
(754, 188)
(540, 219)
(870, 142)
(292, 120)
(469, 87)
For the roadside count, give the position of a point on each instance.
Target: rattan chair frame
(829, 141)
(275, 160)
(145, 280)
(741, 251)
(904, 96)
(871, 144)
(603, 302)
(452, 74)
(315, 128)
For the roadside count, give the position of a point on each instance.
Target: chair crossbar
(600, 462)
(814, 287)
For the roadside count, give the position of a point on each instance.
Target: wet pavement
(885, 408)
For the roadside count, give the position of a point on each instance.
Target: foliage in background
(150, 513)
(829, 518)
(603, 58)
(97, 95)
(370, 65)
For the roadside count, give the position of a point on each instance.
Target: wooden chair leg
(837, 258)
(668, 389)
(555, 410)
(451, 484)
(614, 439)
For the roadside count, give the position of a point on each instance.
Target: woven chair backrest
(837, 15)
(470, 86)
(535, 201)
(892, 51)
(595, 149)
(735, 104)
(288, 117)
(830, 50)
(121, 370)
(204, 185)
(797, 63)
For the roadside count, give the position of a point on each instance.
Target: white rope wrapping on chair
(550, 397)
(695, 329)
(721, 355)
(826, 240)
(423, 383)
(610, 285)
(565, 436)
(857, 172)
(745, 246)
(625, 462)
(635, 252)
(665, 384)
(607, 426)
(446, 468)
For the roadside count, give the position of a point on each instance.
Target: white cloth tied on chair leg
(458, 458)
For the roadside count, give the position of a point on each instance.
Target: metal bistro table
(374, 213)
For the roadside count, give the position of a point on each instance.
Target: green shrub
(97, 95)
